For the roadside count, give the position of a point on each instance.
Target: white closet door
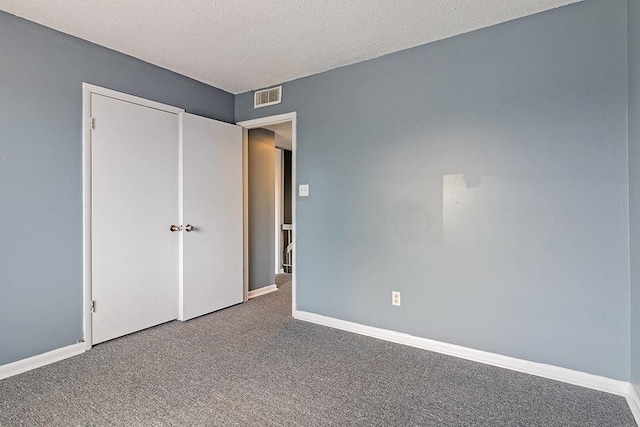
(134, 202)
(212, 253)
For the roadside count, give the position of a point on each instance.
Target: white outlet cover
(303, 190)
(395, 298)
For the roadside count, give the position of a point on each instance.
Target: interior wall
(483, 176)
(634, 183)
(288, 189)
(41, 76)
(261, 201)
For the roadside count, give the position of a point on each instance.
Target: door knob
(189, 228)
(175, 228)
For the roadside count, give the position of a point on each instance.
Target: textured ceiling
(240, 45)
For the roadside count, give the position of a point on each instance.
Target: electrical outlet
(303, 190)
(395, 298)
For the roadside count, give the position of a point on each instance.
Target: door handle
(189, 228)
(175, 228)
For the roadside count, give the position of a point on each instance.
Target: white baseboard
(24, 365)
(540, 369)
(261, 291)
(634, 403)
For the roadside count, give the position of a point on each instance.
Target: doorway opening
(269, 213)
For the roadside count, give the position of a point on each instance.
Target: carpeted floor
(252, 364)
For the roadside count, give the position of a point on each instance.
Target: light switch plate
(303, 190)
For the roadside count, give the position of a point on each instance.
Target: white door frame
(258, 123)
(87, 91)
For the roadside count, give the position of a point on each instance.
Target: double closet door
(166, 222)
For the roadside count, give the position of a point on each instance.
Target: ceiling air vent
(267, 97)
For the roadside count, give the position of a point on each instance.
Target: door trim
(87, 91)
(257, 123)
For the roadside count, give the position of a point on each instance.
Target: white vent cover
(267, 97)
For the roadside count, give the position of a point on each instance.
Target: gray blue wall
(634, 183)
(41, 75)
(484, 177)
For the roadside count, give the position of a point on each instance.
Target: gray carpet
(252, 364)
